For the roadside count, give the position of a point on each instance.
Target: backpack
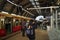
(29, 31)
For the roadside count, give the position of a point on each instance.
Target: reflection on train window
(17, 22)
(2, 24)
(20, 22)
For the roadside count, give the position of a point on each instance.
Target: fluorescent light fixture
(18, 15)
(36, 0)
(13, 14)
(4, 12)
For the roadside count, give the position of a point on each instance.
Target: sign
(39, 18)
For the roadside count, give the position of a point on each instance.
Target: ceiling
(19, 7)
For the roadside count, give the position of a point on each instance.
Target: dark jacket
(32, 34)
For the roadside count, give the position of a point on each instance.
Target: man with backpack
(30, 32)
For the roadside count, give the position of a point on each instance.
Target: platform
(40, 35)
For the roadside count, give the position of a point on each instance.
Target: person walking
(23, 27)
(30, 33)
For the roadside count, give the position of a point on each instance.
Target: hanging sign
(39, 18)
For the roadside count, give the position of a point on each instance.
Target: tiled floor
(40, 35)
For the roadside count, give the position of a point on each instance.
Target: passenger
(23, 27)
(34, 24)
(45, 24)
(39, 24)
(30, 32)
(27, 23)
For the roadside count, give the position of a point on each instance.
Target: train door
(16, 21)
(16, 24)
(8, 24)
(2, 28)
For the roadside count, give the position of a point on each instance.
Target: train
(10, 23)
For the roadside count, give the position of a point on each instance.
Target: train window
(2, 23)
(17, 22)
(20, 22)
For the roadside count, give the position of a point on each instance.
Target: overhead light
(4, 12)
(18, 15)
(36, 0)
(13, 14)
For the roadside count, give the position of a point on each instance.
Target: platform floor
(40, 35)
